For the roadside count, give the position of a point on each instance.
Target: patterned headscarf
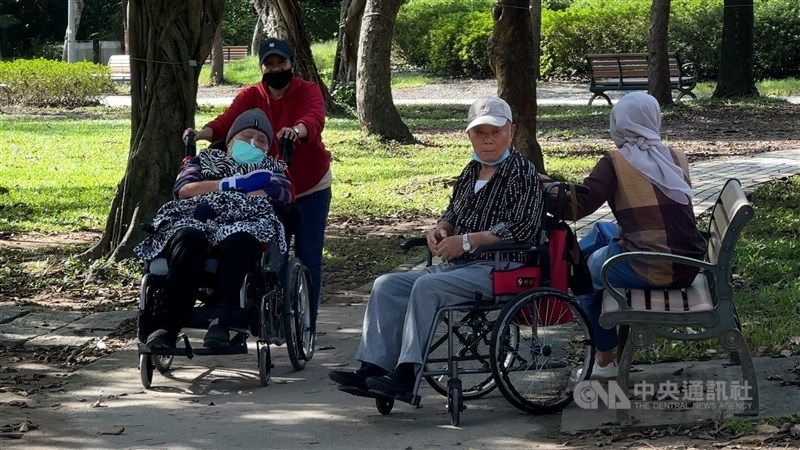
(635, 125)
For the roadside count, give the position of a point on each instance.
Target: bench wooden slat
(232, 53)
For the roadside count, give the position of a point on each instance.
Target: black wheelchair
(535, 346)
(274, 306)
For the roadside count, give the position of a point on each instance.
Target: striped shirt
(509, 205)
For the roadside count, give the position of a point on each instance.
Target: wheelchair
(535, 346)
(274, 305)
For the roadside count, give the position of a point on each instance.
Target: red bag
(552, 311)
(514, 281)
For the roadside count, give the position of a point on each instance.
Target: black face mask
(277, 80)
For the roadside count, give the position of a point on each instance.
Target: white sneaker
(609, 371)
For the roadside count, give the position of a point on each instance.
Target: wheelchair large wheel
(539, 343)
(297, 328)
(472, 332)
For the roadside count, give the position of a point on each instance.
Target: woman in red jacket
(296, 109)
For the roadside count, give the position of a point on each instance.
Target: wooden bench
(705, 310)
(120, 66)
(231, 53)
(630, 72)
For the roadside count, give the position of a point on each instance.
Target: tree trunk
(78, 12)
(346, 59)
(287, 23)
(376, 111)
(257, 30)
(217, 59)
(262, 11)
(125, 15)
(658, 58)
(736, 53)
(163, 37)
(513, 57)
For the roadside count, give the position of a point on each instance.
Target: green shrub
(777, 38)
(417, 18)
(459, 45)
(591, 26)
(41, 82)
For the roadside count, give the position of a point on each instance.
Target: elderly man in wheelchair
(497, 198)
(224, 213)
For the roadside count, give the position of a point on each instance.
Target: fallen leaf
(786, 353)
(115, 431)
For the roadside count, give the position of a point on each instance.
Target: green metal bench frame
(711, 310)
(630, 72)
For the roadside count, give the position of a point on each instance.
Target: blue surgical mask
(244, 153)
(502, 158)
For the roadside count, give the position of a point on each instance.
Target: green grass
(784, 87)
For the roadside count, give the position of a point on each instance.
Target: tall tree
(168, 43)
(217, 58)
(286, 22)
(513, 55)
(345, 61)
(736, 54)
(262, 11)
(658, 84)
(78, 11)
(376, 111)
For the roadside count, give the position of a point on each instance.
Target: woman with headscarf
(647, 185)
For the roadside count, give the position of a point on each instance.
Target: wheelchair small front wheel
(384, 405)
(146, 368)
(542, 346)
(455, 401)
(264, 364)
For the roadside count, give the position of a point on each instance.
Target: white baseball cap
(489, 111)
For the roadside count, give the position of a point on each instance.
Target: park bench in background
(120, 66)
(629, 72)
(704, 310)
(231, 53)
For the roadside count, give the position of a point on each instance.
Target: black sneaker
(400, 382)
(217, 336)
(162, 338)
(356, 378)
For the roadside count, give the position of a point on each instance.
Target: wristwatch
(296, 131)
(465, 245)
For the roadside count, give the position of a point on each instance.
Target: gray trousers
(402, 308)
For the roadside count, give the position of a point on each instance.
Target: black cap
(274, 46)
(251, 119)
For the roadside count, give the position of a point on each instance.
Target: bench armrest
(619, 296)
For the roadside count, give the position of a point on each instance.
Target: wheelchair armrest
(413, 242)
(504, 247)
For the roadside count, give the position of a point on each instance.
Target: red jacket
(301, 103)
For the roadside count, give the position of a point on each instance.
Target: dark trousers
(186, 253)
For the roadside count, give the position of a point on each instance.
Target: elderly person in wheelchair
(497, 198)
(222, 206)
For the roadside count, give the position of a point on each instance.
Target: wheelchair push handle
(190, 149)
(286, 150)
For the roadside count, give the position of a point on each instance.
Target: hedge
(447, 37)
(41, 82)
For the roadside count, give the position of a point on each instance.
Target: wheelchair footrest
(410, 398)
